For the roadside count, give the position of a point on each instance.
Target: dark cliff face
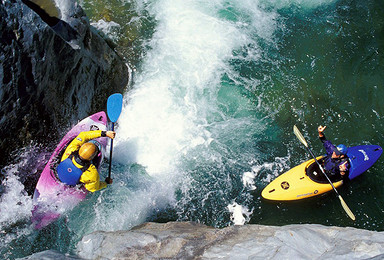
(54, 71)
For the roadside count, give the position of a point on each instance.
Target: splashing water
(217, 86)
(184, 100)
(240, 214)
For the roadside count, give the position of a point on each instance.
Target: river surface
(217, 86)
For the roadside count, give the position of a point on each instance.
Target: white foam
(304, 4)
(15, 203)
(239, 214)
(176, 91)
(66, 7)
(266, 171)
(109, 28)
(15, 208)
(174, 99)
(177, 87)
(249, 180)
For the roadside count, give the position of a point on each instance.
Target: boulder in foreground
(188, 240)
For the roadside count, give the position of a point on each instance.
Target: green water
(323, 64)
(217, 88)
(331, 74)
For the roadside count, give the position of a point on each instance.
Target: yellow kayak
(303, 181)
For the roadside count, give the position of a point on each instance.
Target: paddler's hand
(321, 129)
(108, 180)
(343, 168)
(111, 134)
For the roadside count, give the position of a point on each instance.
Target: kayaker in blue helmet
(336, 163)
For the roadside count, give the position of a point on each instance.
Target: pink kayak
(51, 197)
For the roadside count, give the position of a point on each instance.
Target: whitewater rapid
(173, 108)
(190, 110)
(185, 138)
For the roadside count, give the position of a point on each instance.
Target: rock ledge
(188, 240)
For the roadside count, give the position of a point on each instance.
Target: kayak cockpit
(314, 173)
(57, 159)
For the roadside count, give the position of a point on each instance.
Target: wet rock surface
(188, 240)
(54, 71)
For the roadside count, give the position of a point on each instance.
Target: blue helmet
(341, 149)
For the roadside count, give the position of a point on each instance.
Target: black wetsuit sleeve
(103, 133)
(323, 138)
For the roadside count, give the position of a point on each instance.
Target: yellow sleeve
(91, 179)
(82, 138)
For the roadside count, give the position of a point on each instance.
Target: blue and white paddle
(114, 106)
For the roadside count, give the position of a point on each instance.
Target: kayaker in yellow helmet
(336, 163)
(76, 163)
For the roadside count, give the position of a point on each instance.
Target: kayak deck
(296, 184)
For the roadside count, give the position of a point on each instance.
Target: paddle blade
(114, 106)
(346, 208)
(299, 135)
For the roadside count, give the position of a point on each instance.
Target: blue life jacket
(68, 173)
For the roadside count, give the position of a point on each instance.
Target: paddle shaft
(302, 140)
(110, 154)
(322, 170)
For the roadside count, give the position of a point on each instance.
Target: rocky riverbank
(55, 69)
(188, 240)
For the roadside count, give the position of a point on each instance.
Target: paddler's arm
(329, 147)
(91, 179)
(84, 137)
(321, 129)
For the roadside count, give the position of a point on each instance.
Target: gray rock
(54, 71)
(187, 240)
(49, 255)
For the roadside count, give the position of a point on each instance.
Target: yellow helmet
(88, 151)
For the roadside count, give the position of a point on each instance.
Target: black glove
(108, 180)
